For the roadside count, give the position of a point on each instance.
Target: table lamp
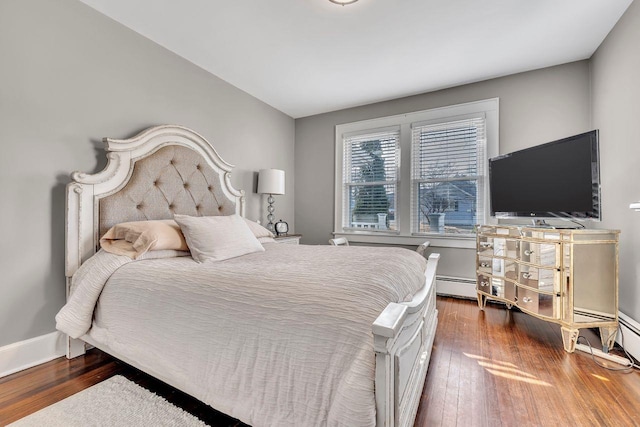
(270, 181)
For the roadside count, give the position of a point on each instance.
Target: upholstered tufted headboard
(160, 172)
(174, 179)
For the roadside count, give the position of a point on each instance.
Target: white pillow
(216, 238)
(258, 230)
(266, 239)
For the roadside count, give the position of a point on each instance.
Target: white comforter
(278, 338)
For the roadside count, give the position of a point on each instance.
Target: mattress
(282, 337)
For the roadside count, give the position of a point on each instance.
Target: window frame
(403, 235)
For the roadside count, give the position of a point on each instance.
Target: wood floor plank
(488, 368)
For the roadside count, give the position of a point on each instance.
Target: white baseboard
(456, 286)
(631, 331)
(28, 353)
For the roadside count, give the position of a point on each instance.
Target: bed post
(403, 337)
(76, 229)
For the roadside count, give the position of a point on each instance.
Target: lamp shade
(271, 181)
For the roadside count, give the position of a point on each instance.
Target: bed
(292, 335)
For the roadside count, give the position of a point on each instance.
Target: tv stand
(565, 276)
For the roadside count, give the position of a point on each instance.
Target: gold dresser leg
(569, 338)
(608, 337)
(482, 301)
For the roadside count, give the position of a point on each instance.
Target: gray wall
(535, 107)
(71, 76)
(616, 112)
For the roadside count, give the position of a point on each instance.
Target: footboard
(403, 337)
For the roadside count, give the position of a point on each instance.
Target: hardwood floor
(33, 389)
(501, 367)
(489, 368)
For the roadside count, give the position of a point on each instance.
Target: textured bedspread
(278, 338)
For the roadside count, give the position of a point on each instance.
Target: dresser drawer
(483, 283)
(485, 265)
(542, 254)
(497, 246)
(539, 303)
(497, 267)
(538, 278)
(288, 239)
(497, 287)
(499, 230)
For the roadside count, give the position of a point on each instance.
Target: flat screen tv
(559, 179)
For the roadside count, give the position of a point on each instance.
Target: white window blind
(448, 176)
(370, 180)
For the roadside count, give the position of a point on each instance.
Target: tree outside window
(371, 200)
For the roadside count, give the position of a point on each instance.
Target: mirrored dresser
(566, 276)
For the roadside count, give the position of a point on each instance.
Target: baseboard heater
(630, 326)
(594, 315)
(459, 287)
(631, 330)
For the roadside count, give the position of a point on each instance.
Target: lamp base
(270, 209)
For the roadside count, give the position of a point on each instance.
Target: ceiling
(306, 57)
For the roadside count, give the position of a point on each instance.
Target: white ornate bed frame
(403, 333)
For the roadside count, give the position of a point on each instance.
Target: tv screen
(557, 179)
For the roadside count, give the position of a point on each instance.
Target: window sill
(467, 241)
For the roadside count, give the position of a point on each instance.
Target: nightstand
(290, 239)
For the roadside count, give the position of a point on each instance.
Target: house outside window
(402, 178)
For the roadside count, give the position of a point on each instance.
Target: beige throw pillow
(216, 238)
(136, 238)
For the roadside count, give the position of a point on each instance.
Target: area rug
(113, 402)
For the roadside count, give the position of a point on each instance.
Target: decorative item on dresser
(245, 358)
(566, 276)
(271, 181)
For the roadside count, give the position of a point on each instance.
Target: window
(448, 176)
(370, 180)
(401, 178)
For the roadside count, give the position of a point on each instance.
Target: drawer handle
(526, 299)
(484, 283)
(526, 275)
(528, 252)
(486, 245)
(484, 264)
